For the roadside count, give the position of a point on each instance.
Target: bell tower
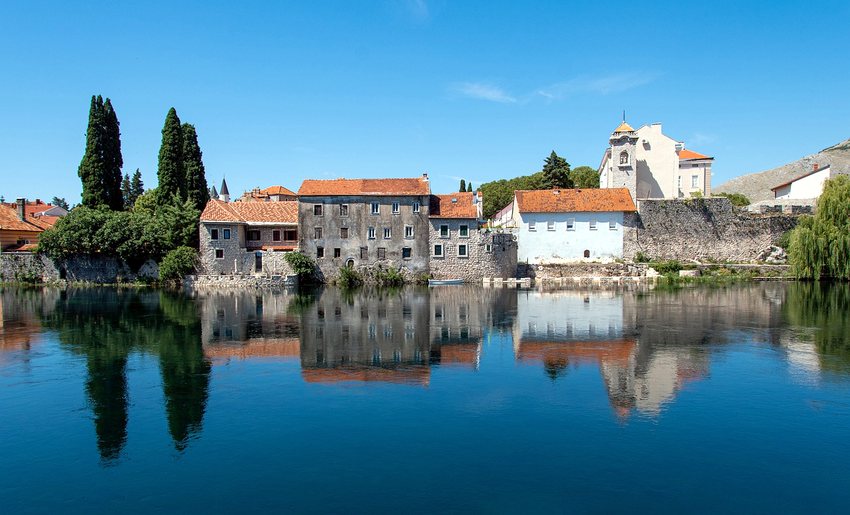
(622, 168)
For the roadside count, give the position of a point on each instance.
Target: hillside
(756, 186)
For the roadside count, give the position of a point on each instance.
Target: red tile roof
(574, 200)
(686, 154)
(256, 348)
(604, 351)
(277, 190)
(9, 221)
(453, 205)
(373, 187)
(285, 212)
(414, 375)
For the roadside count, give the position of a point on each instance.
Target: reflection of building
(20, 326)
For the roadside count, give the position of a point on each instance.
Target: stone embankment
(22, 267)
(200, 282)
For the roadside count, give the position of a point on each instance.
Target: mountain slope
(756, 186)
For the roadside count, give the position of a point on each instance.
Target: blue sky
(282, 91)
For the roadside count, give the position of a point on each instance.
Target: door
(258, 262)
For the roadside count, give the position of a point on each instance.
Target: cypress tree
(196, 181)
(170, 170)
(137, 187)
(469, 188)
(113, 161)
(126, 191)
(462, 185)
(92, 167)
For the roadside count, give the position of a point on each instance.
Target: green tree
(60, 202)
(113, 161)
(469, 187)
(498, 194)
(92, 167)
(196, 181)
(584, 177)
(170, 170)
(137, 187)
(820, 244)
(462, 185)
(556, 172)
(125, 191)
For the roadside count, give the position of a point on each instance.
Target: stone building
(364, 223)
(652, 165)
(570, 225)
(247, 237)
(461, 248)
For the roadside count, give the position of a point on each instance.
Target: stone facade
(488, 254)
(709, 228)
(242, 256)
(26, 267)
(347, 229)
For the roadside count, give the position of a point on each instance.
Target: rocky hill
(756, 186)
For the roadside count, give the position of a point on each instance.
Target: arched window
(587, 253)
(624, 158)
(349, 263)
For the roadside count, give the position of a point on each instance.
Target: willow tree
(820, 244)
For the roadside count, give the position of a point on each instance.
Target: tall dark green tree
(92, 167)
(556, 172)
(462, 185)
(137, 187)
(112, 158)
(196, 181)
(469, 187)
(125, 191)
(171, 170)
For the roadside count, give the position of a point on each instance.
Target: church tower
(224, 194)
(622, 166)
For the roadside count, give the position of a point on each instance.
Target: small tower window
(624, 158)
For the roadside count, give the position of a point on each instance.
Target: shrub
(640, 257)
(301, 264)
(349, 278)
(667, 267)
(178, 263)
(737, 199)
(389, 277)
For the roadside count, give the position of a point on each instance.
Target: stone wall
(104, 270)
(554, 271)
(217, 282)
(701, 228)
(489, 254)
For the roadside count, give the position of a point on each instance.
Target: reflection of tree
(106, 326)
(826, 307)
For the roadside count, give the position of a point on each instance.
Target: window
(408, 232)
(320, 252)
(532, 226)
(349, 263)
(416, 207)
(226, 234)
(213, 234)
(371, 233)
(694, 181)
(438, 250)
(406, 252)
(275, 235)
(444, 231)
(624, 158)
(382, 253)
(612, 225)
(343, 232)
(343, 210)
(462, 251)
(680, 182)
(388, 233)
(219, 253)
(571, 224)
(337, 252)
(586, 253)
(254, 235)
(290, 235)
(463, 231)
(317, 209)
(488, 248)
(376, 208)
(317, 233)
(550, 225)
(593, 225)
(364, 253)
(396, 208)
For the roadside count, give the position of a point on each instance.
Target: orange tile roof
(9, 221)
(372, 187)
(612, 351)
(256, 348)
(279, 247)
(686, 154)
(574, 200)
(32, 212)
(285, 212)
(277, 190)
(420, 375)
(459, 353)
(624, 127)
(453, 205)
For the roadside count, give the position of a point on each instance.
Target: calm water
(450, 399)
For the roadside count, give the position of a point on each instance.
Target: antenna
(624, 115)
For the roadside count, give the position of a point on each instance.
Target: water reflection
(647, 346)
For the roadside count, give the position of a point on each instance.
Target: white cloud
(600, 85)
(483, 91)
(418, 9)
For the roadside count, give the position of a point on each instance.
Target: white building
(562, 226)
(652, 165)
(806, 186)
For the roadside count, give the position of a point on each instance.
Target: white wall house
(652, 165)
(806, 186)
(570, 225)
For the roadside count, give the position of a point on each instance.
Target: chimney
(425, 176)
(20, 204)
(815, 167)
